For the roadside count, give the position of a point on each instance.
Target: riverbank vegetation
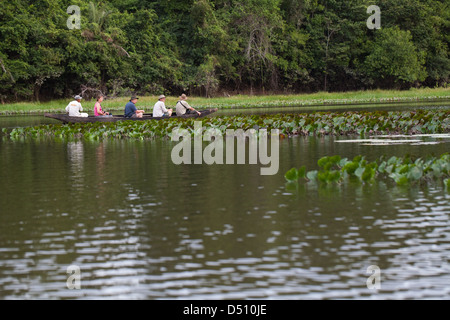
(317, 124)
(218, 48)
(244, 101)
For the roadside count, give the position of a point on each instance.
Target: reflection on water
(415, 140)
(75, 154)
(140, 227)
(24, 120)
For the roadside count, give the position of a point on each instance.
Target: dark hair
(99, 96)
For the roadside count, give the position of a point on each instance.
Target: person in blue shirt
(131, 111)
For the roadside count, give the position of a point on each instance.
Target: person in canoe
(98, 111)
(74, 108)
(183, 107)
(160, 110)
(131, 111)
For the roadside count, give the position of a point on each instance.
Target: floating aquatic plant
(318, 124)
(402, 170)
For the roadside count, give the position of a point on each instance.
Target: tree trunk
(37, 89)
(329, 35)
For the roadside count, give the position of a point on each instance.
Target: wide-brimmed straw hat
(183, 97)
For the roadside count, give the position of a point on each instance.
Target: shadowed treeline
(207, 48)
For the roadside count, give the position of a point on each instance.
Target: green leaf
(323, 161)
(415, 174)
(302, 172)
(447, 183)
(357, 159)
(437, 170)
(328, 166)
(403, 169)
(312, 175)
(389, 168)
(359, 172)
(368, 174)
(400, 179)
(292, 175)
(335, 159)
(334, 176)
(343, 162)
(350, 167)
(392, 161)
(323, 176)
(381, 167)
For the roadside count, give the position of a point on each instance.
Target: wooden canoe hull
(66, 119)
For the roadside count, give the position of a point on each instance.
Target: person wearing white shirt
(160, 110)
(74, 108)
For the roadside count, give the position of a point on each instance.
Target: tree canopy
(208, 47)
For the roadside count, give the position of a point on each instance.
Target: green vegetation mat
(320, 123)
(401, 170)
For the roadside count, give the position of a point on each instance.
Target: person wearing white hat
(183, 107)
(74, 108)
(160, 110)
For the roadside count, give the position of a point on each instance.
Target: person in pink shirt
(98, 108)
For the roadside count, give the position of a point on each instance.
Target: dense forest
(206, 47)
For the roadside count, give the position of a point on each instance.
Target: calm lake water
(140, 227)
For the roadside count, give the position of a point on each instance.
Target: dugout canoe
(114, 118)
